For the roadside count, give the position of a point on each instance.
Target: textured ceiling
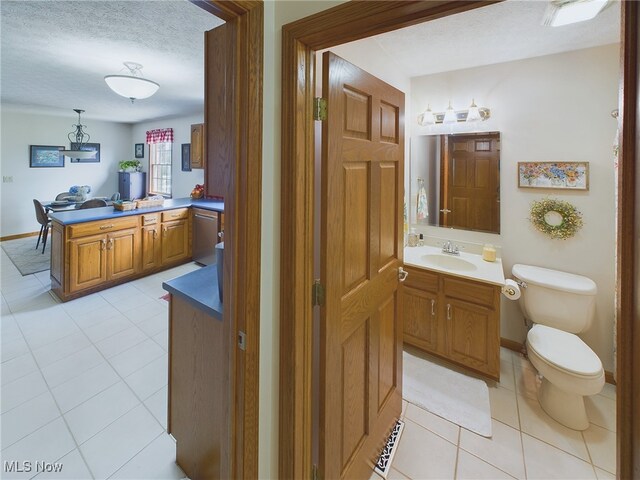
(55, 54)
(503, 32)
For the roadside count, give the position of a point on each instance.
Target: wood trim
(628, 337)
(243, 220)
(518, 348)
(20, 235)
(511, 344)
(343, 23)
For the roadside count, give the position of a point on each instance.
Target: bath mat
(454, 396)
(23, 254)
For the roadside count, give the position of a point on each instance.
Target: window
(160, 168)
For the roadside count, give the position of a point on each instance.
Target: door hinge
(314, 472)
(319, 109)
(242, 340)
(317, 293)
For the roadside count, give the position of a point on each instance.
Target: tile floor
(84, 384)
(526, 442)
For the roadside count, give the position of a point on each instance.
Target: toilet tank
(557, 299)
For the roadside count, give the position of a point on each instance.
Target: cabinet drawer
(150, 219)
(421, 279)
(469, 291)
(103, 226)
(177, 214)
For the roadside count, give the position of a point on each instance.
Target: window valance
(160, 135)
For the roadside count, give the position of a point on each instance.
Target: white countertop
(489, 272)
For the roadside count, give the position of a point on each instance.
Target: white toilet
(561, 305)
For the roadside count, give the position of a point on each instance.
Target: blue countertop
(200, 289)
(102, 213)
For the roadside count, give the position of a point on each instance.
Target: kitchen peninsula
(98, 248)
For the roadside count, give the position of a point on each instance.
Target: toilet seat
(564, 351)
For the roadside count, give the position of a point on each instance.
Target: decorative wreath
(571, 218)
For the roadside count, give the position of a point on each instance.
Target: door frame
(353, 21)
(243, 221)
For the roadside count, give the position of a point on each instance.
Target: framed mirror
(455, 181)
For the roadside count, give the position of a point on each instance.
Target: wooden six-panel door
(473, 182)
(361, 253)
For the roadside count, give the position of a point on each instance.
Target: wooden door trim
(628, 339)
(243, 222)
(300, 40)
(353, 21)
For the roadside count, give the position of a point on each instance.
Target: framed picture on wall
(556, 175)
(139, 150)
(41, 156)
(87, 147)
(186, 157)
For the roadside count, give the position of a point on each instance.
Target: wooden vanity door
(361, 253)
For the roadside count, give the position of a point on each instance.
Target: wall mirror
(455, 181)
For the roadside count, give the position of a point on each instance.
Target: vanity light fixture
(451, 116)
(79, 139)
(427, 117)
(132, 84)
(566, 12)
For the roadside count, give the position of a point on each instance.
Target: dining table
(63, 205)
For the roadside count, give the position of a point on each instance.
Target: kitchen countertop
(103, 213)
(200, 289)
(488, 272)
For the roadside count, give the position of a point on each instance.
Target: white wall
(19, 130)
(552, 108)
(181, 182)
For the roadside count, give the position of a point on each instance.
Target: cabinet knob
(103, 244)
(155, 233)
(106, 227)
(110, 244)
(433, 307)
(448, 311)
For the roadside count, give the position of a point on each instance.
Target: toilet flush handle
(521, 283)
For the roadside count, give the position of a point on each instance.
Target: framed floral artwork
(555, 175)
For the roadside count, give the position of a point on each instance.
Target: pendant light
(132, 85)
(78, 139)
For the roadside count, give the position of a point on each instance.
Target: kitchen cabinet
(93, 255)
(96, 259)
(197, 145)
(175, 236)
(453, 318)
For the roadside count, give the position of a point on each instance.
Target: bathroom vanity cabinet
(454, 318)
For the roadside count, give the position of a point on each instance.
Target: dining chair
(93, 203)
(45, 223)
(63, 196)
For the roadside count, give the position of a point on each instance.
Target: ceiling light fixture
(132, 85)
(566, 12)
(78, 139)
(451, 116)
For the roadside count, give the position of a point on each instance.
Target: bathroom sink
(449, 262)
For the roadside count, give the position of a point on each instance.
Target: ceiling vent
(566, 12)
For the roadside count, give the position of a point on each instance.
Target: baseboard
(517, 347)
(20, 235)
(511, 344)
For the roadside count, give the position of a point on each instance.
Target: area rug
(23, 254)
(458, 398)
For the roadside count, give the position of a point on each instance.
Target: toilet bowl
(561, 304)
(570, 371)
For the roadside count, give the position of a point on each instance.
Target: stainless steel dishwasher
(205, 236)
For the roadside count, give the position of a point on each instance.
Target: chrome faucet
(450, 248)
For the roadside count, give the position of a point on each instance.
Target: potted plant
(130, 166)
